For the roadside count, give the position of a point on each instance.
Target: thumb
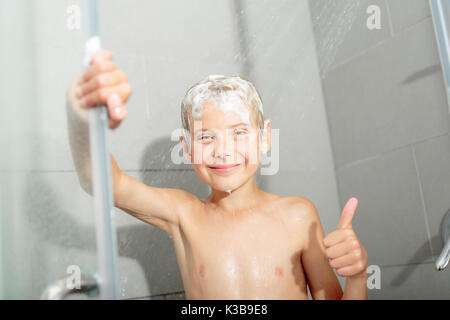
(347, 214)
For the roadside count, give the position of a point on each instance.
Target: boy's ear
(186, 151)
(266, 137)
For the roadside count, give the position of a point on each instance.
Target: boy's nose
(224, 147)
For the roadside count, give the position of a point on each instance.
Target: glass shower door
(48, 224)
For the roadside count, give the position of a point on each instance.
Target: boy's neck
(246, 196)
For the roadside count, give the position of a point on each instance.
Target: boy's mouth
(224, 168)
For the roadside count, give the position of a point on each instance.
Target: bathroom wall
(164, 47)
(388, 115)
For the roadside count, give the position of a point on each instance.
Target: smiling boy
(240, 242)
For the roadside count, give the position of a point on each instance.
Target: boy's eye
(240, 132)
(208, 137)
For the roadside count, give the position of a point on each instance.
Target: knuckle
(87, 101)
(357, 254)
(99, 81)
(128, 88)
(355, 243)
(124, 76)
(103, 95)
(102, 66)
(360, 266)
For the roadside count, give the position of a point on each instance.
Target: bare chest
(252, 257)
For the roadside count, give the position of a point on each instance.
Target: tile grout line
(391, 27)
(351, 58)
(358, 161)
(366, 50)
(164, 295)
(405, 264)
(422, 199)
(408, 28)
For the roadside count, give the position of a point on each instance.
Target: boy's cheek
(197, 155)
(253, 152)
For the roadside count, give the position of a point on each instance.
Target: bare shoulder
(298, 214)
(299, 211)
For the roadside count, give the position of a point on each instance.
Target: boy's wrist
(359, 276)
(356, 287)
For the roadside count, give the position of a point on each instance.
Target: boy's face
(221, 138)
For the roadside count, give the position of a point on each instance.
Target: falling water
(332, 20)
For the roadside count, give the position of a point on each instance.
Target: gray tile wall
(389, 124)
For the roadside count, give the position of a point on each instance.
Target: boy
(240, 242)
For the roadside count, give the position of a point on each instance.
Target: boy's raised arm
(105, 84)
(102, 83)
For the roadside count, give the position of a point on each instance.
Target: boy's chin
(226, 186)
(223, 188)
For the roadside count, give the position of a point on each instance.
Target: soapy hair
(219, 88)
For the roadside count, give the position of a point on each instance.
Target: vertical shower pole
(440, 11)
(101, 168)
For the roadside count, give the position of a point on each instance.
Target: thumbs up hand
(343, 249)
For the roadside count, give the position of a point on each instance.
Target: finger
(338, 236)
(344, 261)
(100, 96)
(102, 80)
(98, 68)
(101, 55)
(116, 109)
(113, 124)
(347, 214)
(339, 250)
